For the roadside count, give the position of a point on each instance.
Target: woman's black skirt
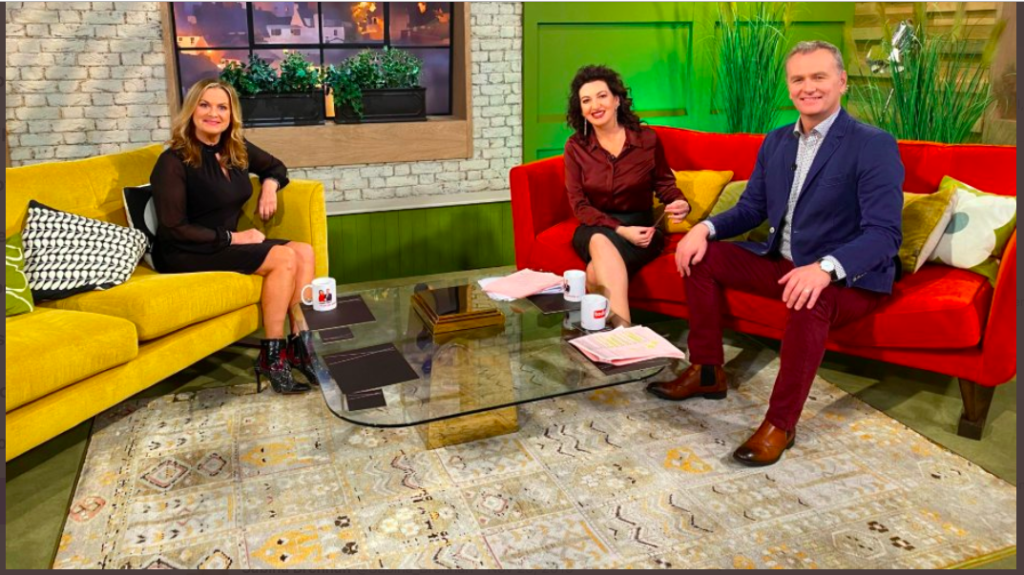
(635, 257)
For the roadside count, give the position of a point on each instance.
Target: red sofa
(940, 319)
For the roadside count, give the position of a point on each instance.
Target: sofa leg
(977, 400)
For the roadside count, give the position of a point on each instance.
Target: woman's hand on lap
(250, 236)
(639, 236)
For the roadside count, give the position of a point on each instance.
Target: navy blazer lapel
(790, 148)
(828, 147)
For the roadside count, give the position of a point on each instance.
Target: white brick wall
(89, 78)
(76, 84)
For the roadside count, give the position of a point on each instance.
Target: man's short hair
(813, 46)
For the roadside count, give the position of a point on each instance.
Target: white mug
(574, 285)
(594, 312)
(323, 294)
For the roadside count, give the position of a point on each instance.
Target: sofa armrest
(539, 201)
(301, 216)
(999, 345)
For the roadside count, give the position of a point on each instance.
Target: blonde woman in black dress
(200, 184)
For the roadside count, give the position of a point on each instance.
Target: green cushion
(729, 198)
(19, 296)
(925, 217)
(979, 230)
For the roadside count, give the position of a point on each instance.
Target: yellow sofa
(71, 359)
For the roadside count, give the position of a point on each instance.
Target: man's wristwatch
(829, 267)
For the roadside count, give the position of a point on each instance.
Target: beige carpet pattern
(226, 478)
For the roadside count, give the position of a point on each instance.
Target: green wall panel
(662, 49)
(385, 245)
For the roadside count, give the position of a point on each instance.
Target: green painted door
(662, 49)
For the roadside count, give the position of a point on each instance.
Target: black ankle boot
(299, 346)
(273, 364)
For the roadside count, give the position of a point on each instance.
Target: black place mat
(365, 399)
(351, 310)
(553, 303)
(369, 368)
(333, 334)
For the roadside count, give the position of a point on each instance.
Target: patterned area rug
(225, 478)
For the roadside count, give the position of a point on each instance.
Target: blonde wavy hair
(183, 131)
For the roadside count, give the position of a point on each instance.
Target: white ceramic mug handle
(303, 294)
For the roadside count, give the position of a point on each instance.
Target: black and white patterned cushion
(141, 212)
(67, 254)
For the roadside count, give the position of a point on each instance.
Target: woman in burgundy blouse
(612, 166)
(200, 184)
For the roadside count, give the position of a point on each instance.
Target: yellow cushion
(161, 303)
(701, 189)
(925, 217)
(48, 350)
(92, 187)
(49, 416)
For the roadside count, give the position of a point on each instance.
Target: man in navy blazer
(831, 190)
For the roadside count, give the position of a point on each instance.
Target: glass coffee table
(465, 385)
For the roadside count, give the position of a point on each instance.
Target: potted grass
(928, 87)
(291, 98)
(378, 86)
(753, 42)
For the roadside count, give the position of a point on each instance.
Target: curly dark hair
(626, 116)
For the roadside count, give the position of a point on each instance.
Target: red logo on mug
(599, 313)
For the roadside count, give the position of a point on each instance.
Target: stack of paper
(523, 283)
(626, 345)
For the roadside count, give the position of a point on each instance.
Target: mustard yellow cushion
(925, 217)
(701, 189)
(48, 350)
(55, 413)
(161, 303)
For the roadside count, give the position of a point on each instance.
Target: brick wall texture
(89, 78)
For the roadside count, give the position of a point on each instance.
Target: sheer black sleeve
(266, 166)
(170, 199)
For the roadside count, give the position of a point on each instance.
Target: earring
(585, 122)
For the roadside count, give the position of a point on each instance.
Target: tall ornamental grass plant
(750, 59)
(937, 90)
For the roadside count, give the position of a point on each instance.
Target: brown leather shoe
(688, 385)
(766, 446)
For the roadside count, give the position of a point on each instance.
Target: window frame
(439, 138)
(323, 47)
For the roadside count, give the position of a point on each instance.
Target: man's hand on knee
(691, 249)
(804, 286)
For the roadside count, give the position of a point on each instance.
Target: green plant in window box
(269, 99)
(258, 77)
(377, 86)
(297, 74)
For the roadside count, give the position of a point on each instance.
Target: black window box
(387, 105)
(283, 109)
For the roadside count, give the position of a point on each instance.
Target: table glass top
(527, 358)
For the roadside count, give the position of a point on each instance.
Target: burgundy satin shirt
(598, 183)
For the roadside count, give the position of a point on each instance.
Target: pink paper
(624, 346)
(523, 283)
